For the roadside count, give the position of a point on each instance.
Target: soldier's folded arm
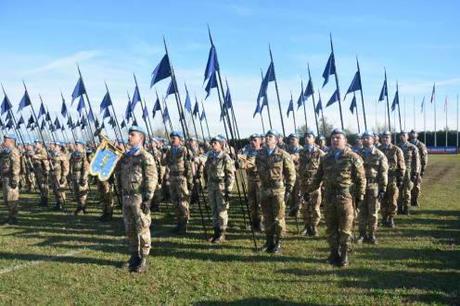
(150, 179)
(289, 171)
(359, 176)
(229, 173)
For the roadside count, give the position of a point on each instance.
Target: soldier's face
(412, 136)
(271, 141)
(293, 141)
(8, 142)
(216, 146)
(175, 141)
(255, 142)
(338, 141)
(403, 137)
(368, 141)
(310, 139)
(386, 140)
(135, 138)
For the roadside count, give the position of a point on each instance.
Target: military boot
(343, 260)
(334, 257)
(391, 222)
(362, 237)
(268, 246)
(256, 226)
(43, 202)
(276, 245)
(79, 210)
(314, 231)
(105, 217)
(372, 239)
(220, 236)
(132, 262)
(181, 228)
(142, 266)
(58, 206)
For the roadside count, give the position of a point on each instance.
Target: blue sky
(417, 42)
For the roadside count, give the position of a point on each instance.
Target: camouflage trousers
(157, 197)
(137, 225)
(10, 197)
(106, 196)
(180, 197)
(273, 209)
(416, 191)
(311, 209)
(29, 180)
(254, 200)
(368, 213)
(339, 216)
(219, 206)
(390, 201)
(80, 191)
(42, 183)
(295, 200)
(405, 194)
(58, 188)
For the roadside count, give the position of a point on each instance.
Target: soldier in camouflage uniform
(412, 161)
(28, 168)
(309, 159)
(376, 169)
(177, 160)
(338, 170)
(105, 189)
(278, 176)
(137, 179)
(322, 144)
(219, 173)
(79, 170)
(248, 163)
(59, 171)
(41, 169)
(423, 155)
(293, 148)
(158, 195)
(396, 170)
(10, 165)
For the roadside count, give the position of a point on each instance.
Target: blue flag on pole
(41, 111)
(123, 124)
(257, 110)
(353, 105)
(171, 88)
(383, 91)
(308, 90)
(136, 98)
(329, 69)
(334, 98)
(228, 98)
(212, 65)
(212, 83)
(188, 103)
(145, 112)
(63, 108)
(20, 121)
(301, 99)
(319, 105)
(6, 105)
(196, 109)
(433, 93)
(269, 76)
(79, 89)
(203, 115)
(166, 115)
(128, 111)
(156, 107)
(106, 102)
(25, 101)
(290, 108)
(395, 101)
(423, 105)
(81, 105)
(91, 116)
(161, 71)
(106, 114)
(355, 84)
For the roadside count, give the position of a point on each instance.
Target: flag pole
(413, 113)
(268, 106)
(114, 113)
(205, 120)
(357, 115)
(293, 113)
(457, 123)
(313, 100)
(435, 128)
(447, 128)
(362, 96)
(388, 101)
(277, 92)
(322, 115)
(161, 114)
(147, 122)
(191, 115)
(199, 119)
(337, 84)
(90, 107)
(303, 102)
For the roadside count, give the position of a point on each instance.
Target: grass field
(56, 258)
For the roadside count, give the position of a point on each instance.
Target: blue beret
(309, 132)
(321, 137)
(337, 131)
(413, 132)
(138, 129)
(403, 133)
(255, 135)
(272, 132)
(176, 134)
(219, 138)
(81, 142)
(293, 135)
(367, 134)
(386, 133)
(10, 136)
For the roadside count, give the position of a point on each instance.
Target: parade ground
(56, 258)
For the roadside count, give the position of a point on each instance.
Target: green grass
(61, 259)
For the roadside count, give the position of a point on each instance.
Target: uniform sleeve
(150, 177)
(289, 171)
(423, 158)
(400, 163)
(359, 176)
(85, 167)
(318, 177)
(188, 169)
(65, 167)
(383, 173)
(229, 173)
(415, 162)
(15, 165)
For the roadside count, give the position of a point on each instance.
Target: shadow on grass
(251, 301)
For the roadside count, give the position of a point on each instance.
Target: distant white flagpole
(424, 120)
(413, 113)
(447, 128)
(435, 132)
(457, 122)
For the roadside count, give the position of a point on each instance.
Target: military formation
(367, 184)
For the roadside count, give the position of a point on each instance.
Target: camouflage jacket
(376, 168)
(137, 174)
(79, 165)
(422, 153)
(396, 164)
(10, 163)
(219, 169)
(339, 171)
(247, 157)
(411, 158)
(275, 170)
(40, 160)
(61, 164)
(308, 165)
(178, 162)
